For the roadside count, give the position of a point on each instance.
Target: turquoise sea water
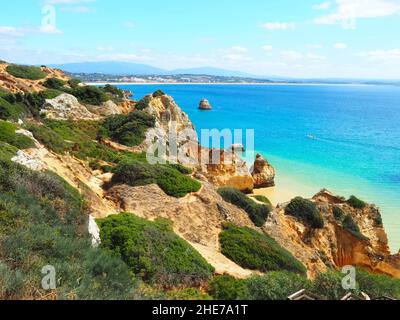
(343, 138)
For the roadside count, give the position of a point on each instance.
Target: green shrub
(349, 224)
(158, 93)
(306, 211)
(257, 213)
(89, 95)
(54, 83)
(356, 203)
(11, 110)
(264, 200)
(113, 91)
(378, 285)
(49, 138)
(140, 173)
(35, 101)
(378, 221)
(8, 135)
(256, 251)
(227, 288)
(43, 222)
(275, 286)
(26, 72)
(176, 184)
(76, 137)
(329, 285)
(153, 251)
(129, 130)
(74, 83)
(188, 294)
(7, 151)
(143, 104)
(338, 213)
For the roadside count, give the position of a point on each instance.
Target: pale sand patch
(286, 189)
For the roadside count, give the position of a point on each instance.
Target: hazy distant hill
(110, 67)
(128, 68)
(212, 72)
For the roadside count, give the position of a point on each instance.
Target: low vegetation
(350, 225)
(257, 213)
(158, 93)
(76, 137)
(42, 223)
(89, 95)
(280, 285)
(356, 203)
(129, 130)
(306, 211)
(338, 213)
(115, 93)
(25, 72)
(10, 109)
(54, 83)
(275, 286)
(254, 250)
(139, 173)
(8, 135)
(227, 288)
(143, 103)
(264, 200)
(153, 251)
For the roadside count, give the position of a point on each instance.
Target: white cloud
(267, 47)
(382, 54)
(78, 9)
(129, 24)
(340, 45)
(322, 6)
(235, 54)
(313, 56)
(55, 2)
(105, 49)
(10, 31)
(239, 49)
(292, 55)
(348, 11)
(314, 46)
(279, 25)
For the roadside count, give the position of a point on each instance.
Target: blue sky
(307, 38)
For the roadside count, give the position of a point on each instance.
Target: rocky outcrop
(110, 108)
(15, 85)
(198, 217)
(232, 172)
(263, 173)
(170, 118)
(205, 105)
(334, 246)
(65, 107)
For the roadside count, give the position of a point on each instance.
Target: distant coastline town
(100, 78)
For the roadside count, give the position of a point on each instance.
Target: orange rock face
(334, 246)
(263, 173)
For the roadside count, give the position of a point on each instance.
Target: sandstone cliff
(15, 85)
(171, 119)
(334, 246)
(199, 217)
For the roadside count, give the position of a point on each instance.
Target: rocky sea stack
(205, 105)
(263, 173)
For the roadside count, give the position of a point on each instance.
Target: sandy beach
(286, 189)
